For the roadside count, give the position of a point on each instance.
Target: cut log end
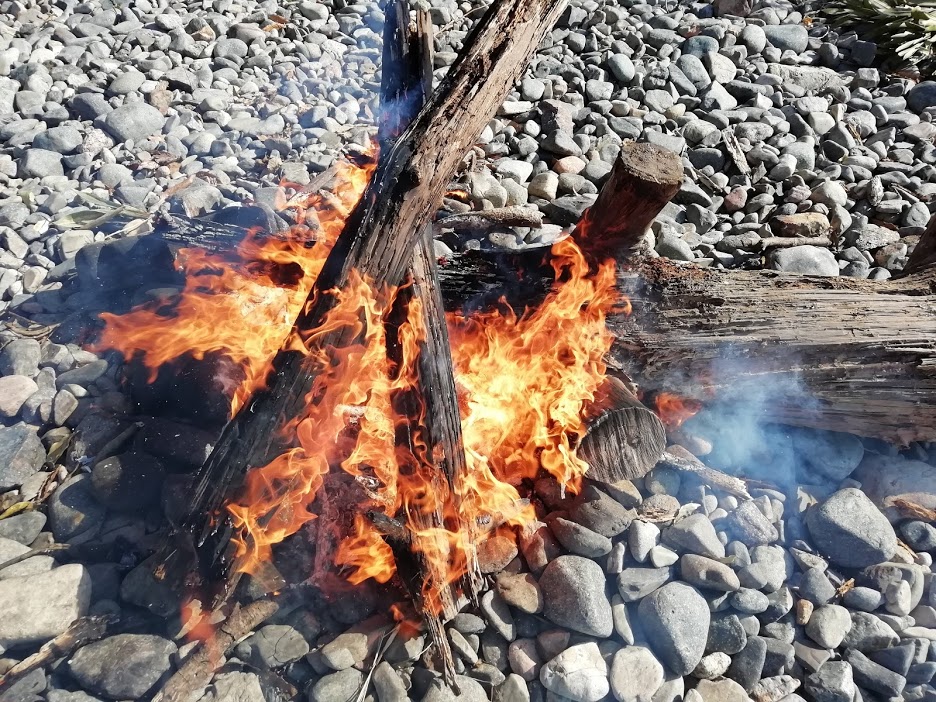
(650, 164)
(625, 439)
(644, 178)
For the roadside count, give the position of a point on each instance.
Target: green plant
(904, 30)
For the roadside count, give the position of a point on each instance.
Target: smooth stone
(828, 625)
(850, 531)
(695, 534)
(579, 673)
(707, 573)
(636, 674)
(574, 596)
(636, 583)
(125, 666)
(804, 260)
(39, 607)
(675, 619)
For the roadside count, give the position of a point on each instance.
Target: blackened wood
(432, 406)
(924, 254)
(378, 241)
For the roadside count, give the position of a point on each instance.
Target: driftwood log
(841, 354)
(836, 353)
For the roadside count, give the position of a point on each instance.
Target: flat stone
(804, 260)
(874, 677)
(39, 607)
(579, 673)
(641, 538)
(802, 224)
(20, 357)
(815, 587)
(14, 391)
(695, 534)
(601, 513)
(134, 122)
(724, 690)
(636, 674)
(834, 455)
(748, 665)
(869, 633)
(520, 590)
(276, 645)
(636, 583)
(712, 665)
(128, 481)
(707, 573)
(833, 682)
(342, 685)
(242, 687)
(829, 625)
(886, 478)
(10, 549)
(125, 666)
(725, 634)
(578, 539)
(75, 514)
(21, 455)
(23, 527)
(750, 526)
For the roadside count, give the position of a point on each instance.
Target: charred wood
(378, 242)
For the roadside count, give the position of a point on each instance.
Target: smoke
(744, 427)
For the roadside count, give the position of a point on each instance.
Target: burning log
(840, 354)
(377, 244)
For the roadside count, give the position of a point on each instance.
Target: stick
(778, 242)
(505, 216)
(201, 664)
(82, 632)
(678, 458)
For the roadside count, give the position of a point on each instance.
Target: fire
(524, 380)
(674, 410)
(242, 305)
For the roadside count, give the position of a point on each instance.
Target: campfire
(406, 425)
(338, 361)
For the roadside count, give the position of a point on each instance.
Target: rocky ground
(653, 592)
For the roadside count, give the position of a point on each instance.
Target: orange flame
(524, 380)
(674, 410)
(241, 306)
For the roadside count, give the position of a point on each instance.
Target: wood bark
(644, 178)
(833, 353)
(378, 242)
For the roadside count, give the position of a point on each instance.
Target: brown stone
(804, 224)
